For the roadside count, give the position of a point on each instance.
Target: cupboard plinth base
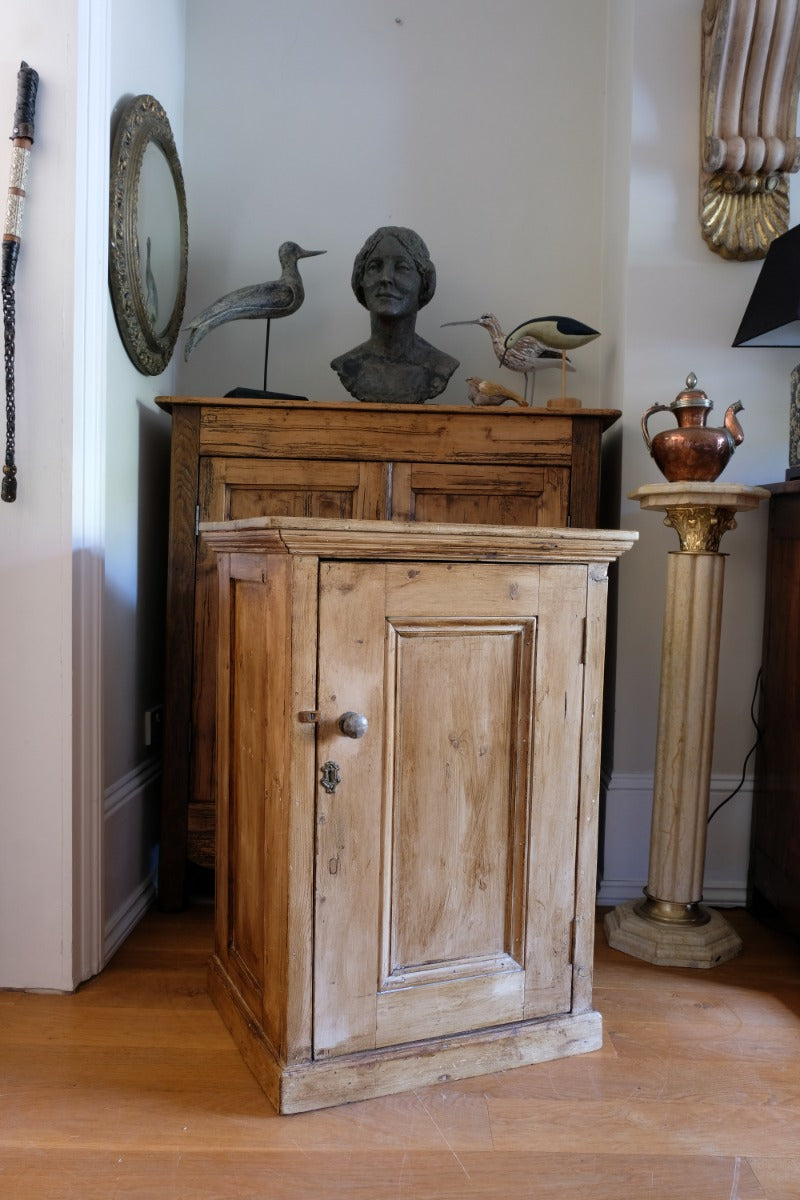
(678, 944)
(301, 1087)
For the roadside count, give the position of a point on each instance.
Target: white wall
(35, 531)
(683, 309)
(339, 118)
(136, 506)
(544, 178)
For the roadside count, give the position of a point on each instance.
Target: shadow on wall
(609, 518)
(152, 553)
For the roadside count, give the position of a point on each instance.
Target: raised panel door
(438, 908)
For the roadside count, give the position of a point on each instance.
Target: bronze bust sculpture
(393, 277)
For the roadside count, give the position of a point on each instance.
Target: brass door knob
(353, 724)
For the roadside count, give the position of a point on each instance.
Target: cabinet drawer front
(237, 488)
(480, 495)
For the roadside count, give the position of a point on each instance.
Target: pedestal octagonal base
(671, 945)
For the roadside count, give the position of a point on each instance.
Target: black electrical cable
(749, 754)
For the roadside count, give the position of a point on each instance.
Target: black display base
(243, 393)
(793, 472)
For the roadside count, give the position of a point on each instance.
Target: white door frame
(89, 395)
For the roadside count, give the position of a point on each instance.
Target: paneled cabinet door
(445, 873)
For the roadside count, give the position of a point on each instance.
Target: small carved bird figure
(556, 333)
(278, 298)
(483, 392)
(527, 355)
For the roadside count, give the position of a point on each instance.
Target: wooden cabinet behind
(774, 883)
(234, 459)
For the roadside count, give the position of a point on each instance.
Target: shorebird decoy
(265, 301)
(527, 355)
(556, 333)
(483, 392)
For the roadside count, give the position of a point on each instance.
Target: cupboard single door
(475, 494)
(431, 916)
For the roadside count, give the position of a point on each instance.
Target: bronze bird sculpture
(527, 355)
(555, 333)
(483, 392)
(265, 301)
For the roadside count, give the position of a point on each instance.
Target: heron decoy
(482, 392)
(556, 333)
(266, 301)
(527, 355)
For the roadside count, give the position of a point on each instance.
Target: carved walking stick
(22, 137)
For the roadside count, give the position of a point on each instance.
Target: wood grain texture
(236, 459)
(446, 838)
(133, 1088)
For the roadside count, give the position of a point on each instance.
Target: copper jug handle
(654, 408)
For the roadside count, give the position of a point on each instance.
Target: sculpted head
(413, 275)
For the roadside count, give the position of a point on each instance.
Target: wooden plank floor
(132, 1090)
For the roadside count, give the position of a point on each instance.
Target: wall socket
(153, 725)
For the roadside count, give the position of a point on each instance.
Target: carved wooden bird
(527, 355)
(483, 392)
(556, 333)
(278, 298)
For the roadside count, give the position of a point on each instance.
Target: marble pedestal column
(670, 926)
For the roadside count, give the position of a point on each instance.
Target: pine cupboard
(236, 459)
(407, 777)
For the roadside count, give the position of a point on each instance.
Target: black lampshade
(772, 318)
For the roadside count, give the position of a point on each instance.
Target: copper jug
(693, 452)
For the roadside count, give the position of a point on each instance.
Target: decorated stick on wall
(22, 138)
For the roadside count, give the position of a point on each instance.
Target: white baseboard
(612, 892)
(121, 923)
(128, 891)
(628, 808)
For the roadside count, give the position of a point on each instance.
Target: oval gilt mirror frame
(148, 234)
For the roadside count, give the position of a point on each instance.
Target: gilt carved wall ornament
(749, 144)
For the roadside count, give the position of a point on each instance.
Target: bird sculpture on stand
(527, 355)
(260, 301)
(483, 392)
(556, 334)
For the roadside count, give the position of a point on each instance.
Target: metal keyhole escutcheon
(331, 777)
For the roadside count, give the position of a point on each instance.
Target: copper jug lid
(692, 396)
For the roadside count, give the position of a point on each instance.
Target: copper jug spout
(732, 425)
